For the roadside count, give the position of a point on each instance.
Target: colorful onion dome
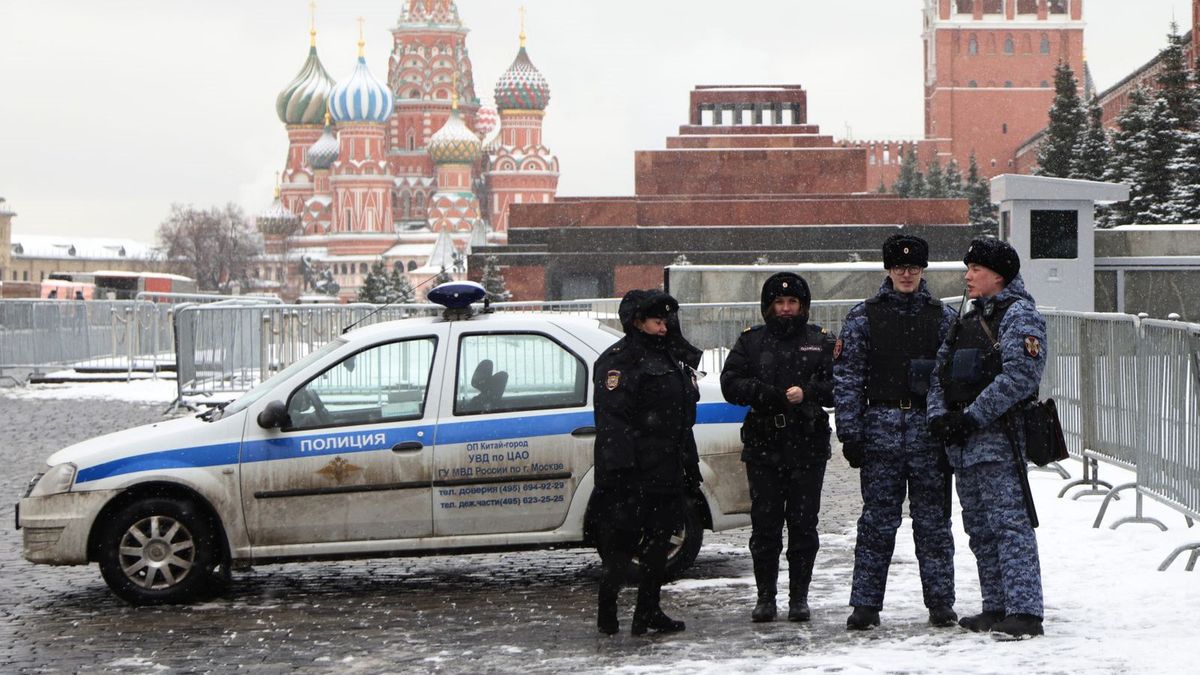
(361, 97)
(304, 100)
(486, 120)
(324, 151)
(522, 86)
(277, 219)
(454, 143)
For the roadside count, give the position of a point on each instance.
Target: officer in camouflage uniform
(882, 363)
(989, 366)
(782, 370)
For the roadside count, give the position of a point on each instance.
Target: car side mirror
(274, 416)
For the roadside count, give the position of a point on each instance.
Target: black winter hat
(643, 304)
(784, 283)
(905, 249)
(996, 255)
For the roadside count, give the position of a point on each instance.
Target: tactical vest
(974, 359)
(900, 344)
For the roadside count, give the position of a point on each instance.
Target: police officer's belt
(903, 404)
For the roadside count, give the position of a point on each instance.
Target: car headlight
(58, 479)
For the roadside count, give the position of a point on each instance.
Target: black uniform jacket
(763, 364)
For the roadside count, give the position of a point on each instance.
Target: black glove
(959, 425)
(937, 427)
(691, 477)
(854, 452)
(768, 399)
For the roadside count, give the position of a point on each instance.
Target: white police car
(456, 434)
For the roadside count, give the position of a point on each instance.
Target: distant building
(747, 178)
(412, 172)
(6, 216)
(34, 257)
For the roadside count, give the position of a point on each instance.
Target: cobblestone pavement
(531, 611)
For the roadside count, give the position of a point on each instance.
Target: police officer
(989, 365)
(645, 454)
(882, 363)
(782, 370)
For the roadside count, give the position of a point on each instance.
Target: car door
(354, 464)
(516, 430)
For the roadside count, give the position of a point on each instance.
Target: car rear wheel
(158, 551)
(684, 547)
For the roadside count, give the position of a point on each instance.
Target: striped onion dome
(304, 100)
(486, 120)
(522, 86)
(324, 151)
(277, 219)
(454, 143)
(361, 97)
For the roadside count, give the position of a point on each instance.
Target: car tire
(158, 551)
(685, 546)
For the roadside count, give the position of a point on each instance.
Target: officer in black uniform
(645, 453)
(783, 371)
(882, 366)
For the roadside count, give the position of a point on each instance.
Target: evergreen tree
(443, 277)
(935, 180)
(1092, 148)
(953, 180)
(375, 286)
(1066, 123)
(882, 189)
(1154, 150)
(910, 182)
(1121, 159)
(981, 212)
(493, 280)
(1185, 171)
(400, 288)
(1173, 82)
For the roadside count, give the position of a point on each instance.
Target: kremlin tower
(398, 171)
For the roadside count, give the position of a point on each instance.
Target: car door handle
(584, 431)
(408, 446)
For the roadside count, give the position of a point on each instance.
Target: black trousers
(637, 522)
(779, 495)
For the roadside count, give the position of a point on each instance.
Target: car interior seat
(490, 386)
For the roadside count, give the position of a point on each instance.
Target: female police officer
(783, 371)
(645, 454)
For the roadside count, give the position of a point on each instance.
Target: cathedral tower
(989, 74)
(301, 107)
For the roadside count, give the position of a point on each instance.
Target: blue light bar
(457, 294)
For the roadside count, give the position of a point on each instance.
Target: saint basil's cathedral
(413, 172)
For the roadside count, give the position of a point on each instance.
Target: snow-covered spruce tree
(1173, 80)
(935, 180)
(981, 212)
(1184, 206)
(1066, 123)
(375, 285)
(1121, 164)
(910, 182)
(493, 281)
(443, 277)
(953, 180)
(1092, 148)
(400, 288)
(1154, 150)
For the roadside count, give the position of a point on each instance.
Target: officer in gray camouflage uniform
(989, 366)
(882, 362)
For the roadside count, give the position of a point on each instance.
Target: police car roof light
(457, 295)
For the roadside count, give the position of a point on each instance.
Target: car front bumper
(55, 528)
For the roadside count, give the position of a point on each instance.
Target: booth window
(1054, 234)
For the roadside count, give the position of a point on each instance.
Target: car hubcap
(157, 552)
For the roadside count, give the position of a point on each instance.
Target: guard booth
(1051, 224)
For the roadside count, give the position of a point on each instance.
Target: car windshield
(258, 392)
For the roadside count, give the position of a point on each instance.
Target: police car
(465, 433)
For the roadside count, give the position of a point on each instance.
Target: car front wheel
(158, 551)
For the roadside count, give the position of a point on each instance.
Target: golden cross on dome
(361, 41)
(522, 25)
(454, 91)
(312, 23)
(276, 185)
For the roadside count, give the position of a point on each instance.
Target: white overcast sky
(111, 110)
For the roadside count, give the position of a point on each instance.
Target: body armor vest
(902, 349)
(974, 359)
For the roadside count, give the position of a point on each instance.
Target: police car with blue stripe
(465, 433)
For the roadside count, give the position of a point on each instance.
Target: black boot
(766, 577)
(799, 577)
(611, 579)
(648, 614)
(942, 616)
(981, 622)
(1018, 627)
(862, 618)
(606, 614)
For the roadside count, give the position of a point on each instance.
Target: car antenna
(384, 306)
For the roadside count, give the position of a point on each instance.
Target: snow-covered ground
(1108, 609)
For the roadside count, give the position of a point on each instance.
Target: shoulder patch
(1033, 347)
(612, 380)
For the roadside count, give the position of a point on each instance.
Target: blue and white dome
(361, 97)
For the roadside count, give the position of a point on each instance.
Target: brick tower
(521, 170)
(301, 107)
(989, 74)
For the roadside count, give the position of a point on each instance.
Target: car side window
(387, 382)
(505, 372)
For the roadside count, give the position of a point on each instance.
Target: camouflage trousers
(886, 477)
(1001, 537)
